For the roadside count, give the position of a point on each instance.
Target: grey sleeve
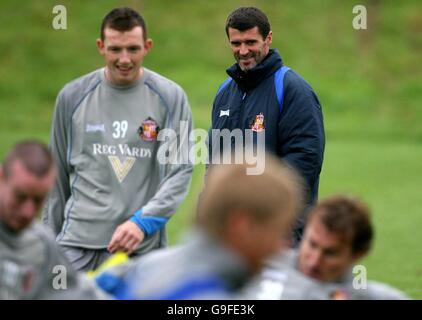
(175, 167)
(53, 214)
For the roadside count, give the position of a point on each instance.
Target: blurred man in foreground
(31, 264)
(243, 219)
(338, 235)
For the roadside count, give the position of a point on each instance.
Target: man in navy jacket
(266, 98)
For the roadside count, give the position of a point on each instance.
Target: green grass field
(369, 82)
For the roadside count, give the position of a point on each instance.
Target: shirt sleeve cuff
(149, 224)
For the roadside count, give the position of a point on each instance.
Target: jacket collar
(249, 80)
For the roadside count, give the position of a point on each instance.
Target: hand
(126, 238)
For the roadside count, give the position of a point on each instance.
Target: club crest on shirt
(258, 123)
(148, 131)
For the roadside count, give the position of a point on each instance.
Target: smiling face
(249, 47)
(323, 255)
(22, 195)
(124, 53)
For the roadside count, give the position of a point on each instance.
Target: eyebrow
(240, 41)
(120, 47)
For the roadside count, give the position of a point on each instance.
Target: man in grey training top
(31, 264)
(337, 236)
(115, 190)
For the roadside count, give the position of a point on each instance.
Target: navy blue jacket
(294, 129)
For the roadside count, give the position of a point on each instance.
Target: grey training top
(281, 280)
(33, 267)
(104, 139)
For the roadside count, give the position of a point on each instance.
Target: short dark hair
(34, 156)
(123, 19)
(245, 18)
(346, 216)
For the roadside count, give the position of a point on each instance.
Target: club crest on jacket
(258, 123)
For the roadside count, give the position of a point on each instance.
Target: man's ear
(1, 173)
(100, 46)
(269, 38)
(148, 44)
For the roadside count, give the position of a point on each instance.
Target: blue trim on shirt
(149, 224)
(224, 84)
(279, 85)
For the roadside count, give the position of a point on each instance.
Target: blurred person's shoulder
(382, 291)
(372, 291)
(23, 240)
